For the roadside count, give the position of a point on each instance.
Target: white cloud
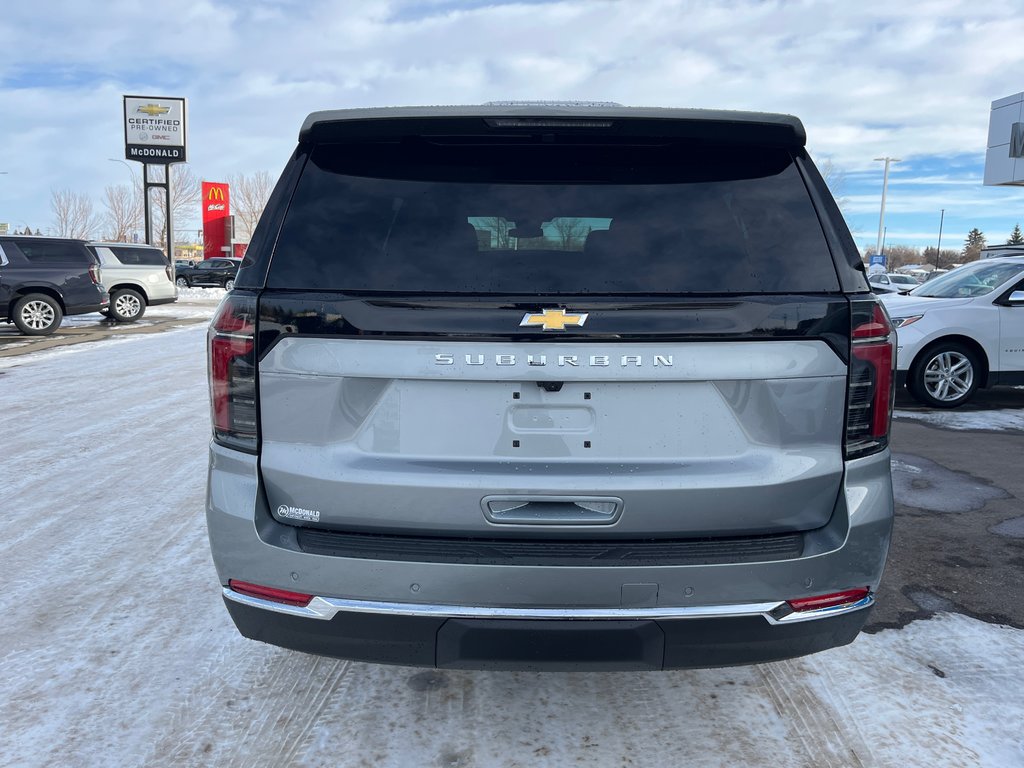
(874, 78)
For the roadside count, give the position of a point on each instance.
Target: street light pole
(885, 183)
(938, 248)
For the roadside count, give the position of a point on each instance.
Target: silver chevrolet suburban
(550, 387)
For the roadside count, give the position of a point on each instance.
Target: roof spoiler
(394, 123)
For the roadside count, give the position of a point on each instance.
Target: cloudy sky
(913, 80)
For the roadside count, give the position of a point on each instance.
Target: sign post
(155, 130)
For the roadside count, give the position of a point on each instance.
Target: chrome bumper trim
(325, 608)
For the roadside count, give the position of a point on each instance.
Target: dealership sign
(154, 129)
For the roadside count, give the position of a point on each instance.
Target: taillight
(232, 347)
(269, 593)
(94, 274)
(832, 600)
(167, 271)
(871, 383)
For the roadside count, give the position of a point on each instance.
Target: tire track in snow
(253, 706)
(820, 731)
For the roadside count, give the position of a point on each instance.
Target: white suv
(961, 331)
(892, 282)
(136, 276)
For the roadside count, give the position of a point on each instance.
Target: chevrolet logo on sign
(153, 110)
(552, 320)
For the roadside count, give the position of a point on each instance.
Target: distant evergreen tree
(973, 244)
(1016, 237)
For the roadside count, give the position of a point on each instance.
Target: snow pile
(201, 294)
(1007, 420)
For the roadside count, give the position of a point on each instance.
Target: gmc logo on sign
(1017, 140)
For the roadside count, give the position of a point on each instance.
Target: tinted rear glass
(536, 219)
(149, 257)
(39, 252)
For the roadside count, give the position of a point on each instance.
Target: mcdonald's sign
(216, 220)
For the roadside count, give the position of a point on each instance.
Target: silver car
(550, 387)
(137, 276)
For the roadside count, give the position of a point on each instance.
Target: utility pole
(938, 248)
(885, 183)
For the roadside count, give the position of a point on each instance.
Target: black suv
(44, 278)
(212, 273)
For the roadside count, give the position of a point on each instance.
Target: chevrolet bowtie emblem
(153, 110)
(553, 320)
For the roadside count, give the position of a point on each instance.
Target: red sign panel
(216, 220)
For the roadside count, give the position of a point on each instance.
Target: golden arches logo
(216, 193)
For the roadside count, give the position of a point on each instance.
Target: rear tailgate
(668, 439)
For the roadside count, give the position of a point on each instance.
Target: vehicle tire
(945, 376)
(182, 282)
(37, 314)
(229, 284)
(126, 305)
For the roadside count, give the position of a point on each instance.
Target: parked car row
(43, 279)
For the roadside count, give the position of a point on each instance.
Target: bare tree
(124, 212)
(185, 193)
(249, 195)
(73, 214)
(499, 228)
(945, 259)
(835, 179)
(570, 232)
(897, 256)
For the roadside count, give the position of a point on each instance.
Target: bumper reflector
(832, 600)
(269, 593)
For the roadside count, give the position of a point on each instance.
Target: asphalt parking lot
(82, 329)
(958, 538)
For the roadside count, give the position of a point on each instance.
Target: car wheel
(37, 314)
(182, 282)
(945, 376)
(126, 305)
(229, 284)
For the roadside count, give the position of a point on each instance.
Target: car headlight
(900, 322)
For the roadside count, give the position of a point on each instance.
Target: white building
(1004, 160)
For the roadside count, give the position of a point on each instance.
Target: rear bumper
(595, 644)
(650, 616)
(171, 300)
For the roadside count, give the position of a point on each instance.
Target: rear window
(150, 257)
(51, 253)
(543, 219)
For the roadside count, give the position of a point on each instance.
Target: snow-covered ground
(1005, 420)
(115, 648)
